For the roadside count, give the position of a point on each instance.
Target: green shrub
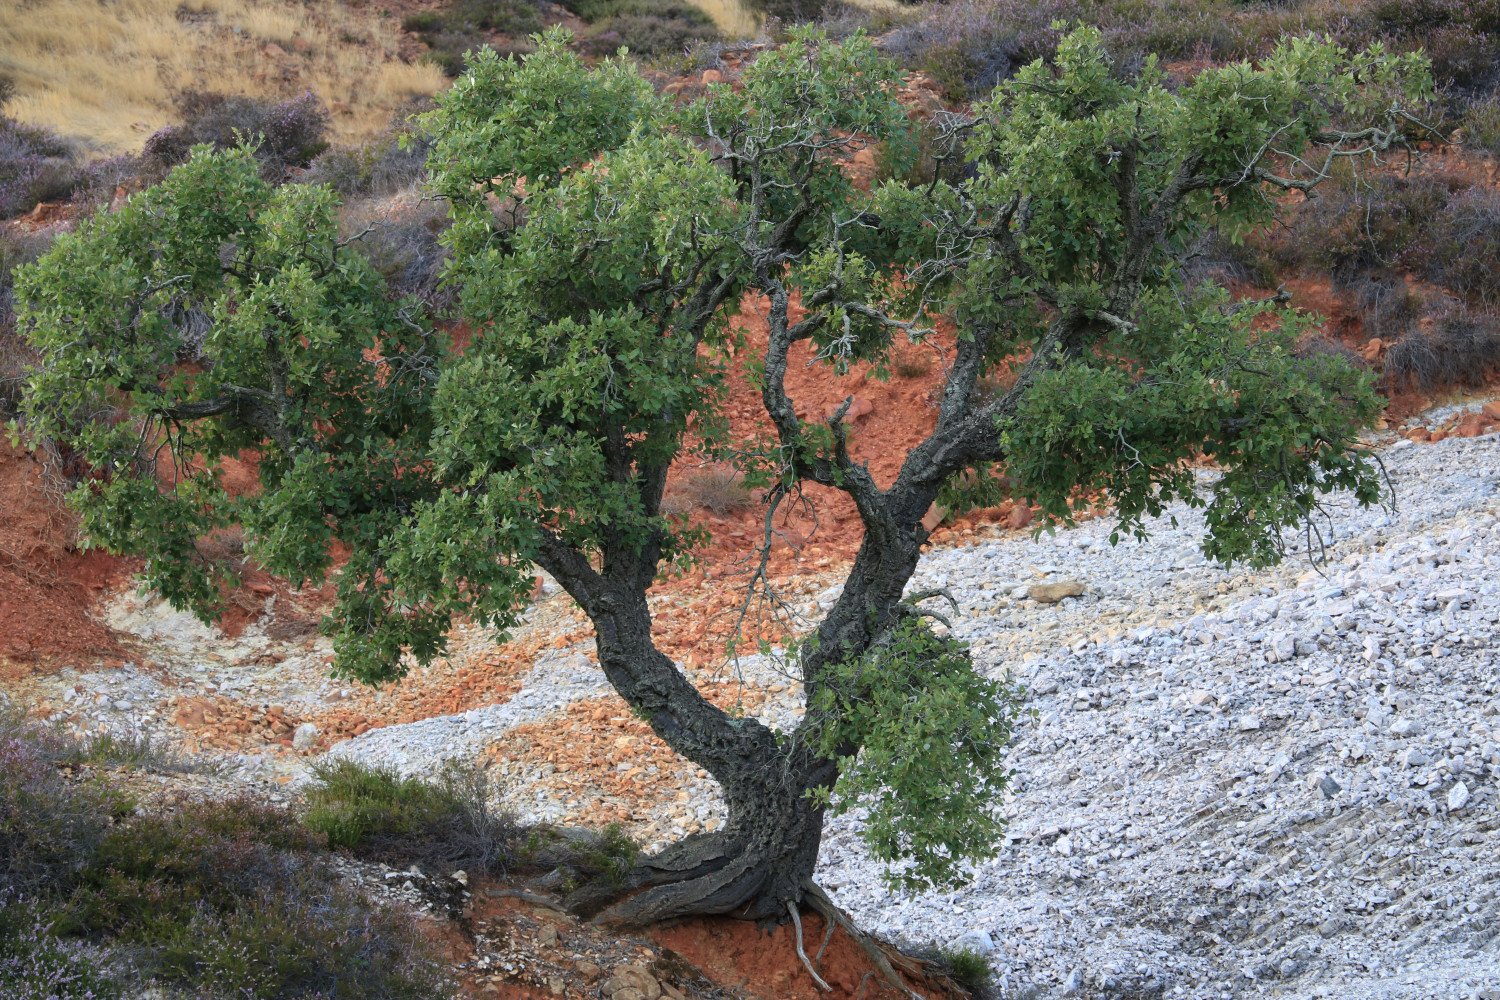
(377, 813)
(37, 964)
(422, 21)
(1481, 127)
(610, 855)
(967, 967)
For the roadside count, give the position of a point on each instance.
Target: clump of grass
(136, 751)
(610, 856)
(967, 967)
(718, 489)
(448, 823)
(1461, 349)
(911, 364)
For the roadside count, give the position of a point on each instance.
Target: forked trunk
(763, 857)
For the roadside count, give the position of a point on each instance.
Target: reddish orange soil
(47, 584)
(739, 954)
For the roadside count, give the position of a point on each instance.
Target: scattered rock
(1458, 796)
(304, 736)
(1051, 593)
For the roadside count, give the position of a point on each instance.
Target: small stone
(304, 736)
(1458, 796)
(1051, 593)
(1247, 723)
(1328, 786)
(976, 940)
(1403, 728)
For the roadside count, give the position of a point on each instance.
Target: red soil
(48, 585)
(738, 954)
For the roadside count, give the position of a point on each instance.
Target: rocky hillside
(1236, 783)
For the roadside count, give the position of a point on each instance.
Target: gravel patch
(1240, 784)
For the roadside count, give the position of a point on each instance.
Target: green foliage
(609, 855)
(967, 967)
(38, 964)
(375, 812)
(219, 899)
(931, 734)
(1183, 376)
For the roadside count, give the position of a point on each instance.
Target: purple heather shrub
(35, 166)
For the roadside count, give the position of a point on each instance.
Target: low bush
(392, 162)
(48, 827)
(37, 964)
(604, 856)
(967, 967)
(1461, 250)
(1388, 306)
(1481, 127)
(448, 824)
(285, 134)
(648, 28)
(16, 355)
(401, 236)
(216, 900)
(969, 46)
(461, 27)
(1224, 262)
(1461, 349)
(35, 166)
(1363, 221)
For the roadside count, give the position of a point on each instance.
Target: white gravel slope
(1241, 784)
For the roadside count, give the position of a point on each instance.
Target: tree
(601, 240)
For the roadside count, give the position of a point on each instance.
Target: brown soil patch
(764, 964)
(48, 585)
(604, 762)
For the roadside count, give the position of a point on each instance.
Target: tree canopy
(602, 239)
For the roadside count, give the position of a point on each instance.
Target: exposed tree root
(819, 901)
(802, 952)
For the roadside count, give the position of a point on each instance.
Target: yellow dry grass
(106, 72)
(739, 18)
(735, 18)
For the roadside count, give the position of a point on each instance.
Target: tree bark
(764, 855)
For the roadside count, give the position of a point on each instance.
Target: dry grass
(106, 71)
(735, 18)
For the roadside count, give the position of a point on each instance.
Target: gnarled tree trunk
(763, 857)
